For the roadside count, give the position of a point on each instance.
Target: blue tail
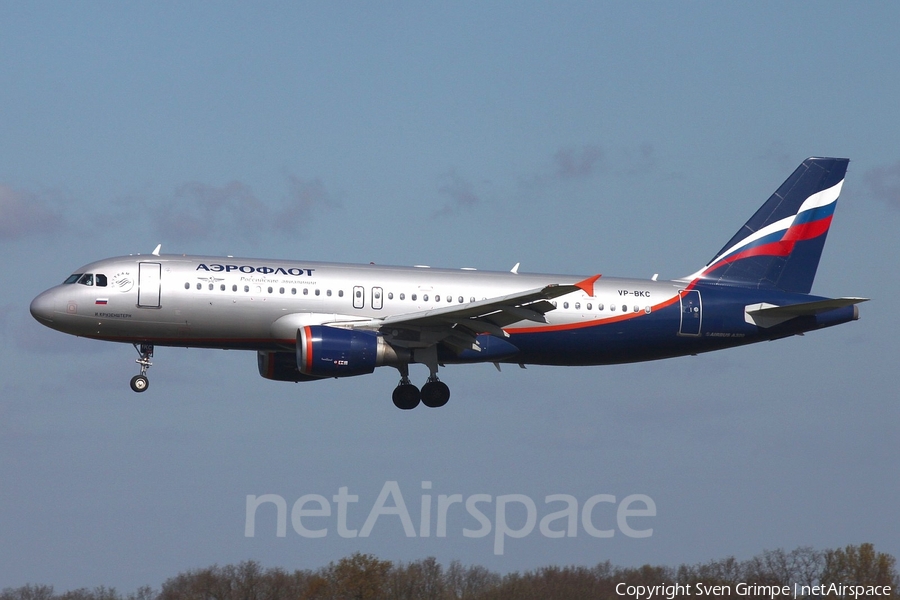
(779, 247)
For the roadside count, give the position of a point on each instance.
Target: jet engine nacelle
(324, 351)
(280, 366)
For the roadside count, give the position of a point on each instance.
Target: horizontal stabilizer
(769, 315)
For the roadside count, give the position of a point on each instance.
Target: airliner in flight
(316, 320)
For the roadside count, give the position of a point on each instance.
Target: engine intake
(332, 352)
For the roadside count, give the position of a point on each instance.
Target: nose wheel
(140, 383)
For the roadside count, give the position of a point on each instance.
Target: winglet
(588, 284)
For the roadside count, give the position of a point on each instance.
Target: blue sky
(627, 139)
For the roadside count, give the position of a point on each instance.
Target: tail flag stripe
(783, 240)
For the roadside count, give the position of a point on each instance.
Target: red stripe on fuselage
(591, 323)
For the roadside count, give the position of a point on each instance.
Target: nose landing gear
(140, 383)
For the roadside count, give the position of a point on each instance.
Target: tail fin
(779, 247)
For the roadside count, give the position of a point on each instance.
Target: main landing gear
(140, 383)
(435, 393)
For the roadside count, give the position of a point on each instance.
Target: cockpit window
(100, 280)
(72, 278)
(87, 279)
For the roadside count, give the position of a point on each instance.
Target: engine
(331, 352)
(280, 366)
(324, 352)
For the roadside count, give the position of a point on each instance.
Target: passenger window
(637, 308)
(403, 296)
(199, 286)
(413, 297)
(340, 293)
(305, 291)
(246, 288)
(294, 291)
(437, 298)
(460, 299)
(600, 307)
(624, 308)
(589, 306)
(390, 295)
(328, 293)
(318, 291)
(472, 299)
(234, 288)
(280, 290)
(578, 305)
(101, 280)
(270, 289)
(565, 305)
(425, 298)
(612, 307)
(222, 287)
(187, 285)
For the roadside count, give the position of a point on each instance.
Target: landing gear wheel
(406, 396)
(139, 383)
(435, 394)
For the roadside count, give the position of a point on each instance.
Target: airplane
(317, 320)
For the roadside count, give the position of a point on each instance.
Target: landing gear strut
(434, 394)
(406, 396)
(140, 383)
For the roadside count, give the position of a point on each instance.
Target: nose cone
(42, 308)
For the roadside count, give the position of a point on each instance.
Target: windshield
(72, 278)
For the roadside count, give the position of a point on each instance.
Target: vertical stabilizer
(780, 246)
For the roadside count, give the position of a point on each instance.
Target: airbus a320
(309, 321)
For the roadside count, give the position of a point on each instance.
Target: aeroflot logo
(216, 268)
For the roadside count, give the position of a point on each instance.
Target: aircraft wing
(459, 325)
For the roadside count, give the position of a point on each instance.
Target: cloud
(571, 163)
(24, 213)
(777, 154)
(883, 183)
(200, 211)
(460, 195)
(304, 197)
